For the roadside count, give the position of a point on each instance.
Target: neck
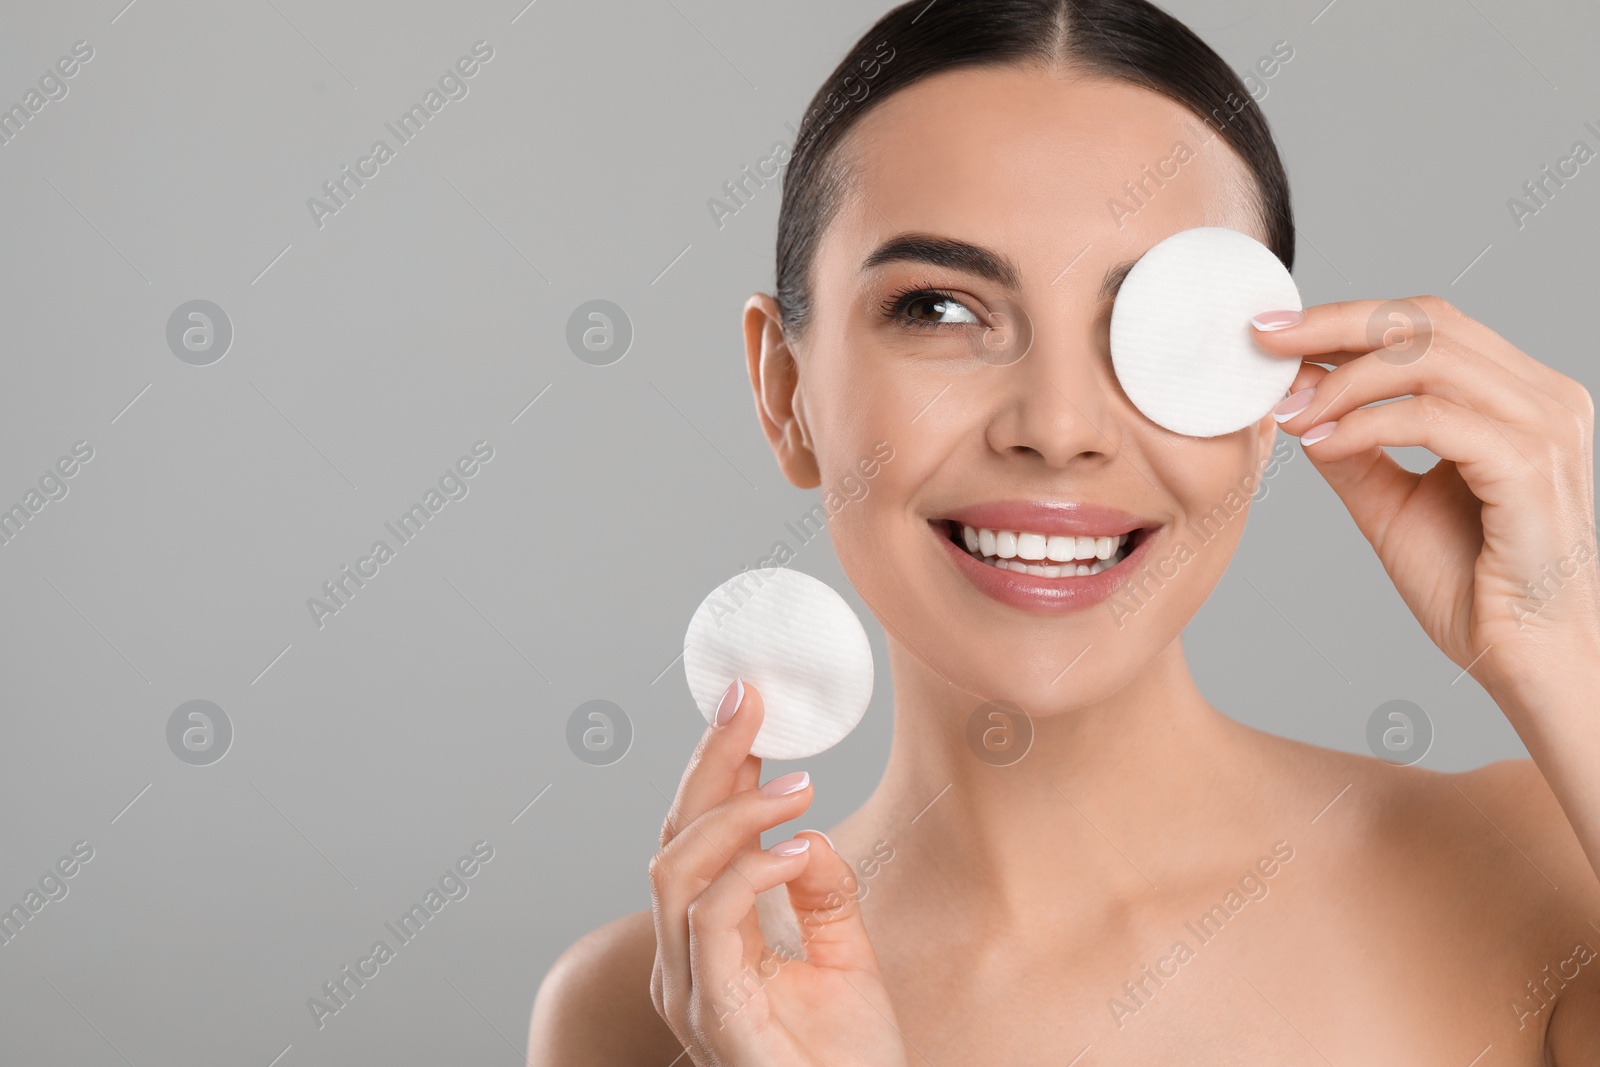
(1107, 799)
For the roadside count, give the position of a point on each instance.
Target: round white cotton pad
(794, 639)
(1181, 339)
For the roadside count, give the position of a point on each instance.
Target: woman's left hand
(1493, 548)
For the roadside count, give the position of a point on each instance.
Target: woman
(1153, 882)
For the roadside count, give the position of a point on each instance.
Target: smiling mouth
(1042, 555)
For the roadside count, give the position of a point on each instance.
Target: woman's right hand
(728, 998)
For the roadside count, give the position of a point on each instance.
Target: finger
(721, 764)
(1340, 331)
(707, 848)
(1351, 455)
(1449, 371)
(717, 838)
(1308, 377)
(1333, 332)
(825, 902)
(724, 940)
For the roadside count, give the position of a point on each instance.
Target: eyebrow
(1115, 276)
(972, 259)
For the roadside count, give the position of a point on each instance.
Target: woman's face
(917, 428)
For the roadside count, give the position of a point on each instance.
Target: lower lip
(1033, 593)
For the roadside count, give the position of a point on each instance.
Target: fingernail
(792, 847)
(1318, 432)
(825, 837)
(785, 784)
(1276, 320)
(730, 702)
(1294, 404)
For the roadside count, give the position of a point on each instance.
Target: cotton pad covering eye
(797, 641)
(1181, 340)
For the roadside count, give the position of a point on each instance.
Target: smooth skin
(1415, 911)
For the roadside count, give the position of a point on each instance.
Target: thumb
(823, 897)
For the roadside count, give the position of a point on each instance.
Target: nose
(1055, 404)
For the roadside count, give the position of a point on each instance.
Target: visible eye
(920, 307)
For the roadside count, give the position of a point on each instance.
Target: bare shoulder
(1519, 817)
(1479, 871)
(1497, 832)
(1491, 847)
(594, 1006)
(1563, 981)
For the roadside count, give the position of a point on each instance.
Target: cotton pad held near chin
(1181, 340)
(795, 640)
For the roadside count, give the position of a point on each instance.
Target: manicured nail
(1318, 432)
(1294, 404)
(785, 784)
(1268, 321)
(730, 702)
(792, 847)
(822, 835)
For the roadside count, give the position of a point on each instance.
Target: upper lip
(1066, 519)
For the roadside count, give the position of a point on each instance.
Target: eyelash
(895, 305)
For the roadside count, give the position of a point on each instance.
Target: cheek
(1215, 480)
(870, 538)
(866, 392)
(873, 532)
(1199, 471)
(858, 414)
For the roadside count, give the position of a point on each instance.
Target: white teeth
(1030, 545)
(1078, 556)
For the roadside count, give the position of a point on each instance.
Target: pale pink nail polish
(1276, 320)
(785, 784)
(1318, 432)
(1294, 404)
(792, 847)
(730, 702)
(825, 837)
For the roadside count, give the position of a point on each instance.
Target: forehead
(1037, 165)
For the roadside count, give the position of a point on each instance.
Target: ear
(775, 381)
(1264, 440)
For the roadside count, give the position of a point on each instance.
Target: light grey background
(370, 353)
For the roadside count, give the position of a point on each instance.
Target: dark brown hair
(1131, 40)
